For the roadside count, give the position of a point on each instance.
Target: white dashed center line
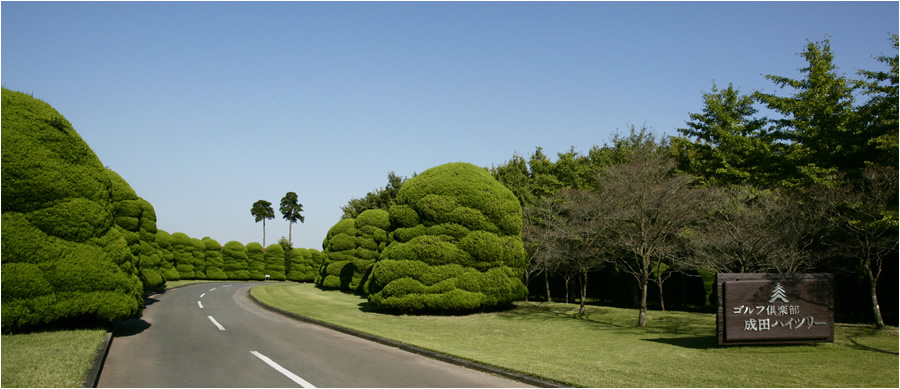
(287, 373)
(216, 323)
(200, 304)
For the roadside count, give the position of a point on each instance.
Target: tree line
(813, 188)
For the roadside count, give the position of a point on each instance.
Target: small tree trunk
(583, 292)
(547, 283)
(290, 232)
(662, 302)
(645, 279)
(264, 232)
(876, 309)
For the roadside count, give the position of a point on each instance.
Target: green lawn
(56, 359)
(606, 349)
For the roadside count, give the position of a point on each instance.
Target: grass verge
(604, 348)
(57, 359)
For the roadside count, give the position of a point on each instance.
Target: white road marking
(216, 323)
(287, 373)
(212, 289)
(200, 304)
(201, 296)
(226, 286)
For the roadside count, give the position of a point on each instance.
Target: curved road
(212, 335)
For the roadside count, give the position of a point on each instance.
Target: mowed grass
(606, 349)
(58, 359)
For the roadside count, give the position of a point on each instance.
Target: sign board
(771, 308)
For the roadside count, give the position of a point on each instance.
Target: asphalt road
(212, 335)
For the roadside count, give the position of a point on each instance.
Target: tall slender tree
(290, 210)
(262, 210)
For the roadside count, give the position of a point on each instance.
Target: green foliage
(351, 247)
(304, 264)
(381, 198)
(256, 262)
(726, 144)
(183, 256)
(215, 261)
(274, 257)
(63, 258)
(456, 244)
(234, 258)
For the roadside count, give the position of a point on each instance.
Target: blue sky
(206, 107)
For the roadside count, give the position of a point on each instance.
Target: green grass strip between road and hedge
(57, 359)
(604, 348)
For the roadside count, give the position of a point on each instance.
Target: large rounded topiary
(455, 246)
(351, 248)
(63, 259)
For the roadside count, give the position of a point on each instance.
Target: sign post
(771, 308)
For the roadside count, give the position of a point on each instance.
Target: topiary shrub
(63, 258)
(304, 264)
(183, 255)
(215, 263)
(274, 257)
(455, 246)
(256, 262)
(234, 258)
(351, 248)
(166, 259)
(198, 250)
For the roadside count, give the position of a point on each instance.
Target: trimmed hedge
(305, 264)
(351, 248)
(455, 246)
(215, 263)
(274, 257)
(234, 258)
(64, 257)
(256, 262)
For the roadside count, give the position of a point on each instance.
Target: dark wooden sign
(771, 308)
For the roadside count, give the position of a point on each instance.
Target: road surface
(212, 335)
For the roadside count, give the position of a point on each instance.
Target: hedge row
(180, 257)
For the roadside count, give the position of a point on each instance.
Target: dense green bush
(351, 248)
(256, 262)
(167, 259)
(183, 255)
(234, 258)
(455, 244)
(274, 256)
(63, 255)
(198, 250)
(304, 264)
(215, 263)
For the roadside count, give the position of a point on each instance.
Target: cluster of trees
(448, 240)
(814, 189)
(290, 210)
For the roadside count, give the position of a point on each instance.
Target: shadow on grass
(692, 342)
(860, 346)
